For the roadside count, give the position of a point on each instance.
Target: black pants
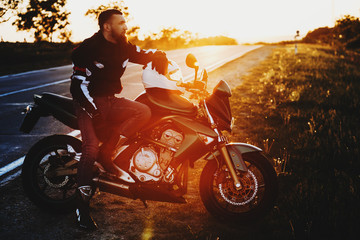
(125, 116)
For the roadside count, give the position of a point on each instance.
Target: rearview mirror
(191, 61)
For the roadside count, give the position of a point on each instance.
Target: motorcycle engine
(152, 163)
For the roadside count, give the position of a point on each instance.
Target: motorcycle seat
(61, 107)
(169, 101)
(65, 103)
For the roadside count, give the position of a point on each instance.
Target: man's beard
(120, 38)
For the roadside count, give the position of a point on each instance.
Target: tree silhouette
(345, 33)
(6, 7)
(45, 17)
(119, 5)
(347, 28)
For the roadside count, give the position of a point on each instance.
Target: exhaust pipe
(133, 191)
(113, 187)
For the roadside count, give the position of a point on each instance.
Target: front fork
(224, 152)
(222, 148)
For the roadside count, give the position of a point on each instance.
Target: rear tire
(56, 194)
(252, 202)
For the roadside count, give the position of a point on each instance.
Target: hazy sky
(245, 20)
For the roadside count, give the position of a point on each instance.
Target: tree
(319, 35)
(347, 28)
(45, 17)
(133, 34)
(6, 8)
(345, 33)
(117, 4)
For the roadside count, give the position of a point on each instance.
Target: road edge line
(32, 88)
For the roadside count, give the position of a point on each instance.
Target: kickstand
(144, 202)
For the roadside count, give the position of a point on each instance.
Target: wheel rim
(243, 200)
(58, 188)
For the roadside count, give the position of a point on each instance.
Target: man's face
(118, 27)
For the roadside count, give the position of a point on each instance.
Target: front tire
(57, 193)
(253, 201)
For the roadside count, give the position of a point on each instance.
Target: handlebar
(197, 88)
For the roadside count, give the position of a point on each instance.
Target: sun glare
(246, 21)
(148, 230)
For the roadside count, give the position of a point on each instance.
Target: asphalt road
(16, 92)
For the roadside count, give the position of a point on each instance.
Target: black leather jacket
(98, 67)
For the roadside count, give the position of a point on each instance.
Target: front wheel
(251, 202)
(47, 191)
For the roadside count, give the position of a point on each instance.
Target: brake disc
(243, 196)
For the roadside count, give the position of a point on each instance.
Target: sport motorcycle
(238, 182)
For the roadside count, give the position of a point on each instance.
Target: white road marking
(34, 71)
(222, 62)
(11, 166)
(40, 86)
(9, 178)
(32, 88)
(44, 70)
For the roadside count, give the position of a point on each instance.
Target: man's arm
(79, 83)
(140, 56)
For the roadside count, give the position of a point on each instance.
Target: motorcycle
(238, 182)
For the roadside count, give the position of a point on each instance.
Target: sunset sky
(245, 20)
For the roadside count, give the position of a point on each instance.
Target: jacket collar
(103, 40)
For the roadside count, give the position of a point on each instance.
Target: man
(99, 62)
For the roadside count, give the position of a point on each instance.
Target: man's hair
(106, 15)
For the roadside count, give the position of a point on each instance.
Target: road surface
(122, 218)
(16, 92)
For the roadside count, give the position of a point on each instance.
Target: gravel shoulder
(121, 218)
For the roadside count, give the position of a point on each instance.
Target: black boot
(83, 218)
(107, 163)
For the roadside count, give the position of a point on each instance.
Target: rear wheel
(251, 202)
(47, 191)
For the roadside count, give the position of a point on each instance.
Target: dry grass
(304, 110)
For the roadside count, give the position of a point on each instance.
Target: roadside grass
(304, 110)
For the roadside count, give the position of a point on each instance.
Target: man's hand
(160, 62)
